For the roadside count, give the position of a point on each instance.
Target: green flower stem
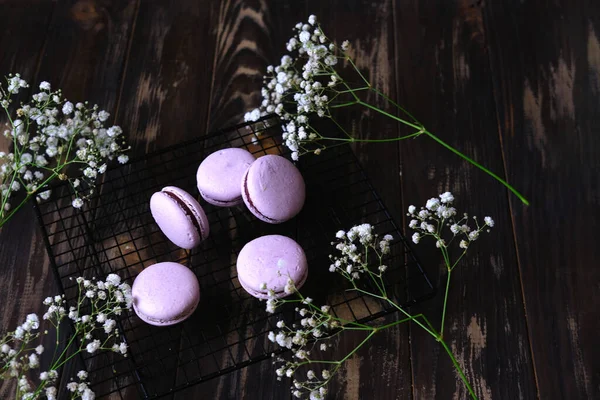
(432, 333)
(421, 129)
(5, 219)
(438, 336)
(354, 90)
(392, 102)
(354, 140)
(387, 114)
(411, 318)
(358, 71)
(481, 167)
(66, 349)
(341, 105)
(358, 347)
(341, 128)
(459, 369)
(458, 259)
(445, 303)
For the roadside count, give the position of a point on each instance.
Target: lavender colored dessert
(271, 260)
(179, 217)
(219, 176)
(165, 294)
(273, 189)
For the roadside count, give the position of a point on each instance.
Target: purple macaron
(179, 217)
(219, 176)
(271, 260)
(165, 294)
(273, 189)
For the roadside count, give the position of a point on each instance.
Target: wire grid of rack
(115, 232)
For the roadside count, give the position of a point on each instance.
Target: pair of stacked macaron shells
(273, 190)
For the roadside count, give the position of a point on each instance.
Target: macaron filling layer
(188, 211)
(214, 202)
(251, 205)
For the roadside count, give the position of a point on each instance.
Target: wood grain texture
(23, 263)
(516, 85)
(546, 89)
(83, 46)
(243, 40)
(445, 81)
(166, 91)
(251, 36)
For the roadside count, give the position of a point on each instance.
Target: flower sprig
(359, 258)
(94, 315)
(49, 134)
(309, 82)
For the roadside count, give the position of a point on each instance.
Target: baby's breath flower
(27, 356)
(42, 134)
(77, 203)
(416, 238)
(93, 346)
(446, 197)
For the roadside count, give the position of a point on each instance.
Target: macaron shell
(220, 175)
(264, 294)
(165, 293)
(194, 206)
(179, 227)
(271, 259)
(273, 189)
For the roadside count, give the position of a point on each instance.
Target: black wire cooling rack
(116, 233)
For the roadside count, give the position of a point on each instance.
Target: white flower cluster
(306, 77)
(51, 134)
(316, 324)
(81, 389)
(355, 246)
(438, 214)
(104, 299)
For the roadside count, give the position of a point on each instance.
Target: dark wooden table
(515, 84)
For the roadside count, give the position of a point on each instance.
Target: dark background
(514, 84)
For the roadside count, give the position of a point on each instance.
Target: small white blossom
(77, 203)
(446, 197)
(416, 237)
(473, 235)
(489, 221)
(432, 204)
(93, 346)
